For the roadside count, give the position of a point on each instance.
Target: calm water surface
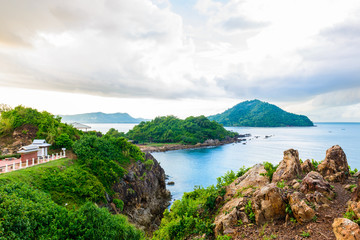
(188, 168)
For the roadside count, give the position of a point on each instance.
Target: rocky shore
(300, 201)
(144, 194)
(207, 143)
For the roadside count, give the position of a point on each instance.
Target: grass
(160, 144)
(64, 179)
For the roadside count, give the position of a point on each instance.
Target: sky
(181, 57)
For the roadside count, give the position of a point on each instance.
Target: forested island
(171, 129)
(256, 113)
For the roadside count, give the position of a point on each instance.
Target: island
(256, 113)
(177, 133)
(100, 117)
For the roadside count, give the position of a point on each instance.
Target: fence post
(20, 164)
(6, 168)
(13, 166)
(27, 162)
(52, 157)
(38, 160)
(33, 161)
(57, 155)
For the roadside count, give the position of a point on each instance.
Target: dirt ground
(321, 229)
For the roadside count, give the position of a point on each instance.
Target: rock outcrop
(268, 204)
(254, 178)
(289, 168)
(144, 194)
(345, 229)
(335, 167)
(307, 166)
(313, 181)
(302, 212)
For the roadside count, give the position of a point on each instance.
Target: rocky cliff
(143, 192)
(301, 201)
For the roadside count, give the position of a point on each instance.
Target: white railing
(18, 164)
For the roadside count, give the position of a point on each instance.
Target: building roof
(41, 143)
(79, 125)
(29, 149)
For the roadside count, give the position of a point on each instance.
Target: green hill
(99, 117)
(170, 129)
(256, 113)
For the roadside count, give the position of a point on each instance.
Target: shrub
(315, 163)
(119, 203)
(17, 155)
(242, 171)
(281, 184)
(270, 169)
(63, 141)
(148, 164)
(249, 211)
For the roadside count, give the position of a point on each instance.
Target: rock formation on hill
(300, 201)
(144, 194)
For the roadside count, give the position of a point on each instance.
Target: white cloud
(280, 50)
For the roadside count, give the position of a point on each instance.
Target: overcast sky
(181, 57)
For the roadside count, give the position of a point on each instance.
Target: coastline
(208, 143)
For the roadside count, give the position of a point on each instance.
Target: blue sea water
(201, 167)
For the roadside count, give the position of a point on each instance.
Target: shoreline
(208, 143)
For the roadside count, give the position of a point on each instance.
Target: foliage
(225, 180)
(270, 169)
(148, 164)
(281, 184)
(350, 214)
(352, 172)
(249, 211)
(65, 180)
(106, 156)
(242, 171)
(115, 133)
(194, 213)
(119, 203)
(27, 213)
(63, 141)
(16, 155)
(315, 163)
(224, 237)
(171, 129)
(256, 113)
(305, 234)
(49, 126)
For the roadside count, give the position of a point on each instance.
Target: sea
(201, 167)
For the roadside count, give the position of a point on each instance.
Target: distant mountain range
(99, 117)
(256, 113)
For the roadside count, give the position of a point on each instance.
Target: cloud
(273, 50)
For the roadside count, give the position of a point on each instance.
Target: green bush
(119, 203)
(63, 141)
(27, 213)
(242, 171)
(315, 163)
(249, 211)
(49, 126)
(106, 157)
(270, 169)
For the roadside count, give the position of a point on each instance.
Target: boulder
(268, 204)
(345, 229)
(313, 181)
(229, 216)
(289, 168)
(307, 166)
(253, 178)
(334, 168)
(302, 212)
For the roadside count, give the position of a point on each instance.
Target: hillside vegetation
(46, 125)
(171, 129)
(256, 113)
